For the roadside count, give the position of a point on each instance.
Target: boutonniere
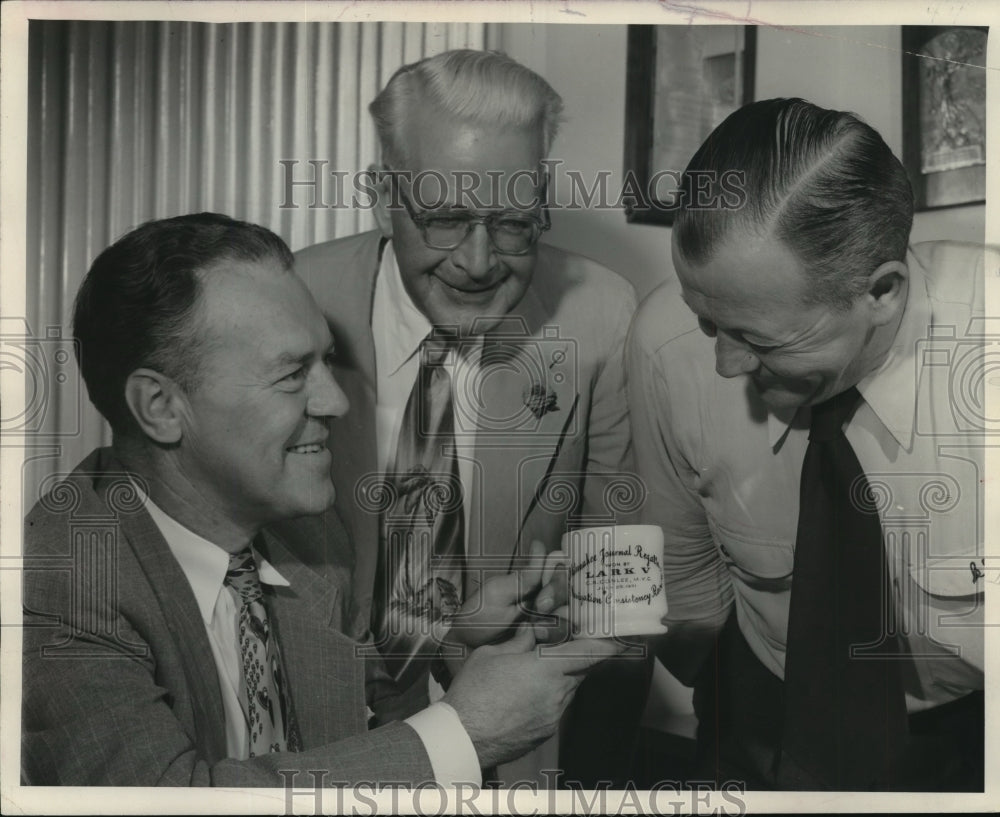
(540, 400)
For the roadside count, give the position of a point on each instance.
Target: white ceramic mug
(615, 580)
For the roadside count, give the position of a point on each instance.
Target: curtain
(130, 121)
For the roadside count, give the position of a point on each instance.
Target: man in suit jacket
(541, 427)
(209, 358)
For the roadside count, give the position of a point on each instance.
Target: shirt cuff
(449, 747)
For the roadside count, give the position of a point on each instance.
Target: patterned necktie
(271, 725)
(845, 712)
(421, 556)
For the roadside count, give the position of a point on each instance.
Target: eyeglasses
(511, 233)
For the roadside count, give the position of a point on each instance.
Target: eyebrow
(765, 341)
(289, 358)
(759, 334)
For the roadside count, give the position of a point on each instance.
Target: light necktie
(845, 713)
(270, 722)
(421, 557)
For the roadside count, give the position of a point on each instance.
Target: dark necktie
(419, 579)
(845, 713)
(270, 722)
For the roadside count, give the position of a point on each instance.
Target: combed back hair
(484, 87)
(138, 304)
(821, 181)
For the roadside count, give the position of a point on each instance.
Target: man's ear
(887, 288)
(157, 404)
(383, 194)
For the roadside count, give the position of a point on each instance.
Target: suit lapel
(175, 599)
(529, 389)
(325, 675)
(353, 436)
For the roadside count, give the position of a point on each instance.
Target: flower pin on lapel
(539, 400)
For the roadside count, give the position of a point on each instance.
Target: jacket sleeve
(97, 710)
(696, 581)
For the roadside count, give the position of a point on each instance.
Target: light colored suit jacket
(120, 686)
(530, 473)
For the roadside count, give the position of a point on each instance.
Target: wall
(586, 65)
(853, 68)
(849, 68)
(133, 120)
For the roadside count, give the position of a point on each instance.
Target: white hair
(485, 87)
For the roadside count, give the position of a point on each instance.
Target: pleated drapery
(130, 121)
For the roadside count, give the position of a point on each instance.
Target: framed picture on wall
(681, 81)
(944, 114)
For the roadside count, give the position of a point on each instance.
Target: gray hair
(485, 87)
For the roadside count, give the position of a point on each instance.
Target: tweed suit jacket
(119, 684)
(531, 473)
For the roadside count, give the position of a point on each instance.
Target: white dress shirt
(398, 327)
(452, 755)
(723, 475)
(205, 564)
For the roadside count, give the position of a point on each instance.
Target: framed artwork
(681, 82)
(944, 114)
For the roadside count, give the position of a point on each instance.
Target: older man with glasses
(484, 371)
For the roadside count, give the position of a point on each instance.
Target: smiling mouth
(473, 290)
(307, 448)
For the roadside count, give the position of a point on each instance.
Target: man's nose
(733, 358)
(475, 255)
(327, 399)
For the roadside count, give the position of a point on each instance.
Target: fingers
(555, 593)
(531, 576)
(581, 654)
(502, 589)
(553, 628)
(522, 641)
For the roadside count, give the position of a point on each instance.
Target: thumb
(531, 576)
(522, 641)
(583, 653)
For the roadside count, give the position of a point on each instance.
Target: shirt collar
(204, 563)
(779, 421)
(891, 390)
(404, 326)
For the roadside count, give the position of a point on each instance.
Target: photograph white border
(15, 799)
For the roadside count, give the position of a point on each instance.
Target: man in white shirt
(793, 296)
(169, 639)
(540, 436)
